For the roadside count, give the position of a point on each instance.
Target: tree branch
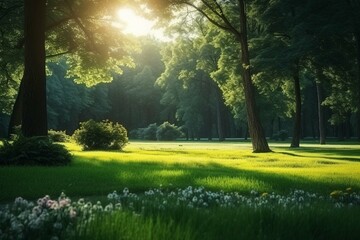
(58, 54)
(213, 21)
(83, 28)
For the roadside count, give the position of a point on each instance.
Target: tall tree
(34, 115)
(231, 16)
(83, 31)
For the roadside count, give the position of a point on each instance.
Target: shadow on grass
(87, 176)
(347, 154)
(96, 178)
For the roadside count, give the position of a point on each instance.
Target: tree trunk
(34, 114)
(357, 38)
(218, 115)
(256, 131)
(15, 118)
(320, 99)
(297, 124)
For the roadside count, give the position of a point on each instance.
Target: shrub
(58, 136)
(33, 151)
(281, 135)
(102, 135)
(168, 132)
(136, 133)
(149, 133)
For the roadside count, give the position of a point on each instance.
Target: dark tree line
(235, 67)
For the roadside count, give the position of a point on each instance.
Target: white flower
(109, 207)
(72, 213)
(126, 191)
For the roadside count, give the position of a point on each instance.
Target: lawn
(233, 193)
(228, 166)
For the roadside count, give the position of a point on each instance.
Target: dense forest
(301, 59)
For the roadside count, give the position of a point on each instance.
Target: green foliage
(33, 151)
(58, 136)
(226, 166)
(164, 132)
(150, 132)
(102, 135)
(282, 135)
(168, 132)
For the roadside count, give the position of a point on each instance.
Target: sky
(131, 23)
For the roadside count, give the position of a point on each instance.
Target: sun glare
(134, 24)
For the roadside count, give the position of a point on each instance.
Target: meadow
(228, 166)
(238, 182)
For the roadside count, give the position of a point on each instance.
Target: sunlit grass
(228, 166)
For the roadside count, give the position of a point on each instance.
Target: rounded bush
(168, 132)
(58, 136)
(102, 135)
(34, 151)
(150, 132)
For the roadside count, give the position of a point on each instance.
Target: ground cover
(226, 166)
(290, 193)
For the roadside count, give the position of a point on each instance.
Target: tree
(230, 16)
(34, 115)
(81, 29)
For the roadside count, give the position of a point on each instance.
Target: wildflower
(64, 202)
(36, 210)
(149, 193)
(126, 191)
(81, 201)
(227, 198)
(109, 207)
(118, 206)
(72, 213)
(54, 205)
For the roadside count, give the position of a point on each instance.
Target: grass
(225, 166)
(228, 166)
(229, 224)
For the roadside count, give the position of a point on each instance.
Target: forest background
(304, 64)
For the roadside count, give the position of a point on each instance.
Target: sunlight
(134, 24)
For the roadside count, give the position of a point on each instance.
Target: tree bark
(320, 99)
(219, 120)
(357, 38)
(34, 114)
(256, 131)
(297, 123)
(16, 115)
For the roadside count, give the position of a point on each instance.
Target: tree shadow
(346, 154)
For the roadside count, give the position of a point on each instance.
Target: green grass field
(228, 166)
(224, 168)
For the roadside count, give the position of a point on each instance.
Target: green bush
(168, 132)
(33, 151)
(102, 135)
(150, 132)
(282, 135)
(136, 133)
(58, 136)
